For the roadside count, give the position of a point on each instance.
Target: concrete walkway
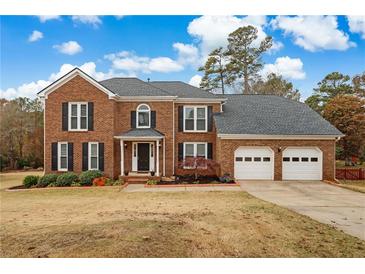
(141, 188)
(342, 208)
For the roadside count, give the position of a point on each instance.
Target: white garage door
(302, 164)
(254, 163)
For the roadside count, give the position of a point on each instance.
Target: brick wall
(226, 149)
(164, 124)
(181, 137)
(79, 90)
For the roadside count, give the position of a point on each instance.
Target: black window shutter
(90, 116)
(85, 156)
(54, 156)
(210, 151)
(70, 155)
(133, 119)
(210, 118)
(153, 119)
(181, 118)
(180, 151)
(65, 116)
(101, 156)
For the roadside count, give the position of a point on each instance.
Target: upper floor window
(195, 118)
(143, 116)
(77, 116)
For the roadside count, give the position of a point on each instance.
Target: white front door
(254, 163)
(302, 163)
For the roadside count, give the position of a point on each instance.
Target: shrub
(76, 184)
(46, 180)
(66, 179)
(30, 181)
(152, 182)
(87, 177)
(100, 181)
(226, 178)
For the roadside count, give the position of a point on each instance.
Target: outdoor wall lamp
(279, 149)
(125, 146)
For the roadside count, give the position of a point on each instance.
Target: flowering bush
(100, 181)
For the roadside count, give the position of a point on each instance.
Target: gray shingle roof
(132, 87)
(270, 115)
(141, 132)
(181, 89)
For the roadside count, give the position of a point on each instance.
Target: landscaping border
(190, 185)
(65, 188)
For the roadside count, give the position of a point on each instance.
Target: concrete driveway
(342, 208)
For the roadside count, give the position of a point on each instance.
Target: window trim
(89, 155)
(149, 115)
(195, 107)
(59, 156)
(195, 150)
(78, 116)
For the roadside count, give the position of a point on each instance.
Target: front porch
(142, 155)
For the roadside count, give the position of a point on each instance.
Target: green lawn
(107, 222)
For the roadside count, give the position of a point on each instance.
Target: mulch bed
(22, 188)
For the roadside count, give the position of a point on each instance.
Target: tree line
(236, 68)
(21, 133)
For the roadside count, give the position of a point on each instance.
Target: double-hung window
(78, 116)
(93, 156)
(193, 151)
(195, 118)
(62, 156)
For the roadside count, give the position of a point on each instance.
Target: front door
(143, 157)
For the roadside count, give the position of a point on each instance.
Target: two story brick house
(126, 125)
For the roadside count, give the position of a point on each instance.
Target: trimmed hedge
(65, 179)
(87, 177)
(46, 180)
(30, 181)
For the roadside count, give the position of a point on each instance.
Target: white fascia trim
(67, 77)
(278, 137)
(153, 138)
(144, 98)
(200, 100)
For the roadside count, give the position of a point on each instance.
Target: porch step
(138, 179)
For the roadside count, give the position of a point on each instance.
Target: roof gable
(70, 75)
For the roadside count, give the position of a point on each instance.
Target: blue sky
(37, 50)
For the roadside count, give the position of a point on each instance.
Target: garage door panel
(302, 164)
(254, 163)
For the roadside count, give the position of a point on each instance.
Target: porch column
(121, 157)
(163, 158)
(157, 158)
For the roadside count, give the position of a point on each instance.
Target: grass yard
(15, 178)
(356, 185)
(107, 222)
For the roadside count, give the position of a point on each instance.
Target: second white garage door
(302, 163)
(254, 163)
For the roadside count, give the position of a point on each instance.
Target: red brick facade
(113, 117)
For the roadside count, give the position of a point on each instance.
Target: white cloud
(289, 68)
(45, 18)
(36, 35)
(195, 80)
(187, 53)
(132, 63)
(93, 20)
(212, 31)
(314, 33)
(357, 25)
(30, 89)
(69, 48)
